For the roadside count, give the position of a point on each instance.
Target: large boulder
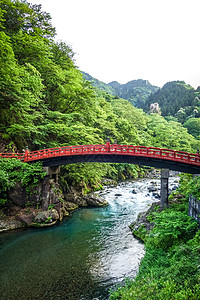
(54, 214)
(94, 200)
(26, 219)
(70, 206)
(152, 189)
(18, 195)
(45, 194)
(42, 217)
(10, 224)
(76, 198)
(109, 182)
(47, 216)
(51, 194)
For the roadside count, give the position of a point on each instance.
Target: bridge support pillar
(52, 172)
(164, 187)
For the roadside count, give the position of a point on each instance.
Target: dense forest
(135, 91)
(46, 102)
(176, 100)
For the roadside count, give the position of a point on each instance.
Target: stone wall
(194, 208)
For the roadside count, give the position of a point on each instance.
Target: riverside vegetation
(170, 267)
(46, 102)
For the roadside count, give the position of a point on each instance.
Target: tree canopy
(47, 102)
(177, 99)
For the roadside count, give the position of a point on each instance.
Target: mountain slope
(135, 91)
(99, 84)
(177, 99)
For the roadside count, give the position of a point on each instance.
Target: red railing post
(108, 145)
(26, 154)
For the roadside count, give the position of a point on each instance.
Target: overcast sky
(123, 40)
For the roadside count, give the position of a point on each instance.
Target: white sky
(123, 40)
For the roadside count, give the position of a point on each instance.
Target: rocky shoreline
(143, 224)
(45, 205)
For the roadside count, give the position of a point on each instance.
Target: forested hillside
(177, 99)
(135, 91)
(46, 102)
(99, 84)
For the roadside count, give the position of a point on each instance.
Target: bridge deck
(108, 150)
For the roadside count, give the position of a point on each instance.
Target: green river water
(82, 257)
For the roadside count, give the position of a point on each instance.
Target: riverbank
(170, 267)
(17, 217)
(83, 256)
(46, 205)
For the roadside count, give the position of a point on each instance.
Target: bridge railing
(12, 155)
(108, 148)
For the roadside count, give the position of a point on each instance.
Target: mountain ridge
(135, 91)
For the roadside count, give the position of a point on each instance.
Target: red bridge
(113, 153)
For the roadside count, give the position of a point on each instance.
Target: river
(82, 257)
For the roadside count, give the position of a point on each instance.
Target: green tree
(193, 127)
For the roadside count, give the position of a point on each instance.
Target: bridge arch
(110, 158)
(164, 159)
(112, 153)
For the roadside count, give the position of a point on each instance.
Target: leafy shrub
(190, 185)
(170, 228)
(170, 267)
(13, 170)
(149, 288)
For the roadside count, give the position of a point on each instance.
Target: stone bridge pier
(164, 187)
(52, 172)
(194, 204)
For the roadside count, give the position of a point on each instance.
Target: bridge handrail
(116, 149)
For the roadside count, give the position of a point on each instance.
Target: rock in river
(94, 200)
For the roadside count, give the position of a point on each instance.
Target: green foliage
(141, 233)
(171, 227)
(135, 91)
(193, 187)
(170, 267)
(193, 127)
(13, 171)
(152, 289)
(169, 134)
(176, 99)
(89, 174)
(190, 185)
(46, 101)
(99, 84)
